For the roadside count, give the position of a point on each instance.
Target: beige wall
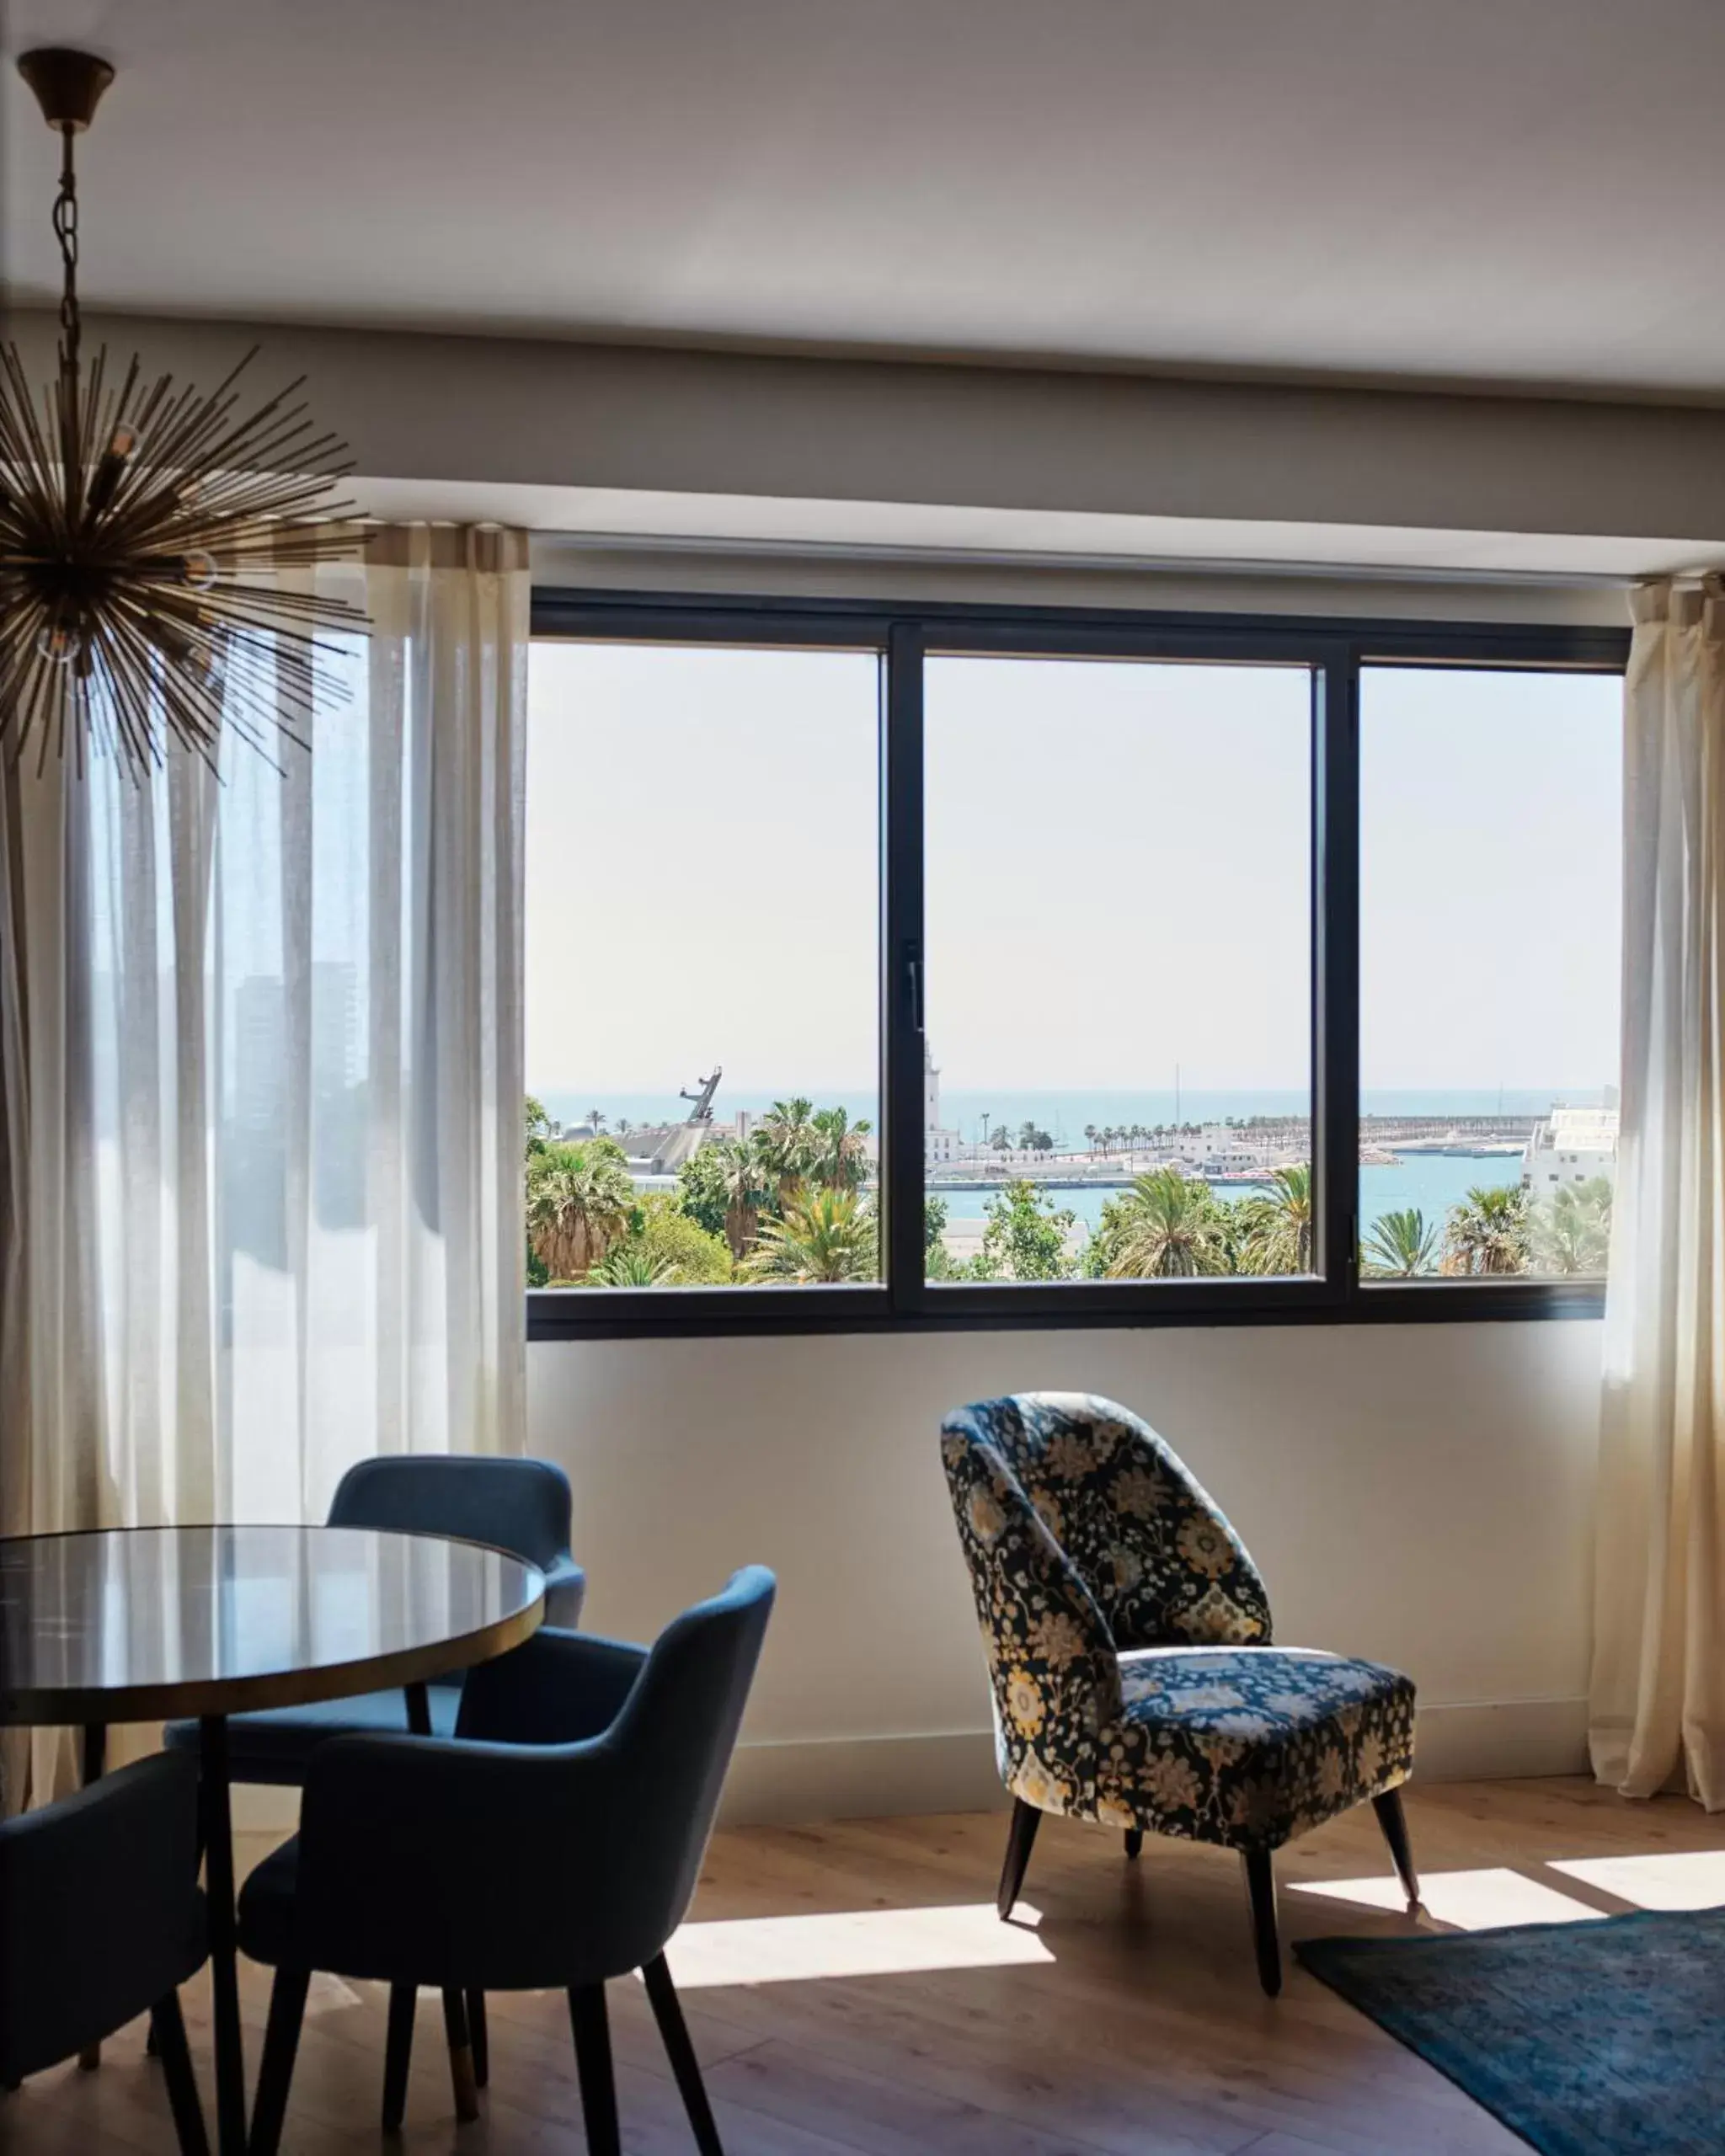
(1418, 1493)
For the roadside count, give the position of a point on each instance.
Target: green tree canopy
(1402, 1244)
(1488, 1232)
(1165, 1227)
(1025, 1238)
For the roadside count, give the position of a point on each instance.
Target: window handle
(913, 981)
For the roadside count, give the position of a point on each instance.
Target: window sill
(697, 1313)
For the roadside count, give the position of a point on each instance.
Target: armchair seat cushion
(272, 1745)
(1249, 1747)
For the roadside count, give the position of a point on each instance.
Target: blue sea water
(1430, 1182)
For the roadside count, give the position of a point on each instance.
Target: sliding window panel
(1491, 941)
(703, 976)
(1118, 967)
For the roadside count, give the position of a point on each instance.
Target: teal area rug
(1602, 2039)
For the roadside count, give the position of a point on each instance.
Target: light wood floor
(879, 2018)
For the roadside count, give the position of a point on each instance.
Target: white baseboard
(803, 1780)
(863, 1778)
(880, 1777)
(1500, 1740)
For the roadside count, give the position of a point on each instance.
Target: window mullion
(903, 987)
(1335, 973)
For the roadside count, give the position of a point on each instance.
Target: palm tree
(1167, 1228)
(1488, 1233)
(1573, 1235)
(745, 1182)
(827, 1236)
(1277, 1226)
(578, 1201)
(597, 1119)
(1090, 1136)
(1003, 1140)
(629, 1267)
(1027, 1138)
(1400, 1245)
(787, 1140)
(839, 1152)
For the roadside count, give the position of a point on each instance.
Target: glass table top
(128, 1624)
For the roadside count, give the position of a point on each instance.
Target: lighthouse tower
(938, 1145)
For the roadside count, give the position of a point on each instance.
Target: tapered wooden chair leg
(1026, 1819)
(461, 2057)
(167, 2027)
(1394, 1821)
(592, 2035)
(398, 2054)
(1134, 1840)
(668, 2012)
(1261, 1889)
(281, 2041)
(479, 2036)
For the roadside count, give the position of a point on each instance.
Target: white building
(939, 1146)
(1571, 1146)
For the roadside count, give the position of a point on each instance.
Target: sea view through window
(1111, 989)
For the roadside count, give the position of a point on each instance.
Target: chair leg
(167, 2027)
(1026, 1819)
(1394, 1821)
(592, 2035)
(1134, 1840)
(461, 2057)
(479, 2036)
(667, 2011)
(281, 2041)
(398, 2054)
(1261, 1888)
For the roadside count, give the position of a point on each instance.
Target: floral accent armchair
(1129, 1642)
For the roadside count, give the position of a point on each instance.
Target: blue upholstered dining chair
(1129, 1644)
(521, 1506)
(554, 1842)
(101, 1920)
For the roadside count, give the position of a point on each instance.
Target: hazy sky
(1117, 873)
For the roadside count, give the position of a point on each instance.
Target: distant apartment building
(1570, 1146)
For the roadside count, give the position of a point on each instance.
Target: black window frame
(1336, 650)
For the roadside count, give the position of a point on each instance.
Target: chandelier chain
(66, 232)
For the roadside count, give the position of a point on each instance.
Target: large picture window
(1003, 967)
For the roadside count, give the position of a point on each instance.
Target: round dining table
(140, 1625)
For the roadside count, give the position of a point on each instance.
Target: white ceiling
(1513, 191)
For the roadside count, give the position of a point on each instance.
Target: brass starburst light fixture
(148, 534)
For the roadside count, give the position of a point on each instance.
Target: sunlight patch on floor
(1676, 1879)
(1467, 1901)
(853, 1943)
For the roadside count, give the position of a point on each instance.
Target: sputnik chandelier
(149, 536)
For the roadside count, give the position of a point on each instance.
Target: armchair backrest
(1152, 1547)
(100, 1911)
(522, 1505)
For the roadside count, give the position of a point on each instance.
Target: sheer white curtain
(260, 1129)
(1659, 1681)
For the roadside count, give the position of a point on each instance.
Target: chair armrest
(565, 1591)
(557, 1688)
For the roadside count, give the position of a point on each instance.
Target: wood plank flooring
(849, 1989)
